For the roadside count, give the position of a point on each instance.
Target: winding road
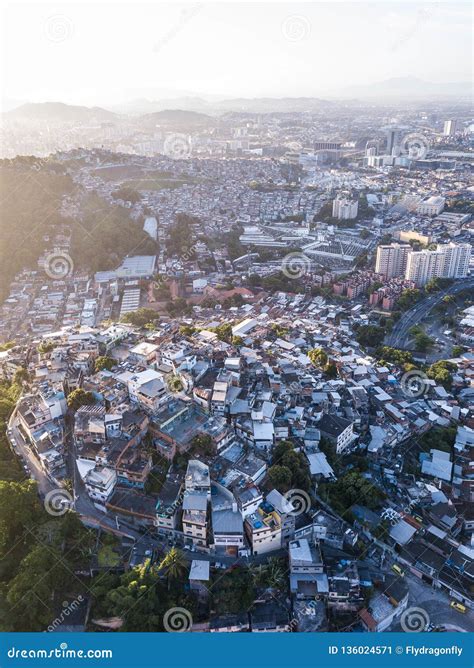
(398, 337)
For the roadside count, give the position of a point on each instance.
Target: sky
(88, 53)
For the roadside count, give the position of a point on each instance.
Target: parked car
(398, 570)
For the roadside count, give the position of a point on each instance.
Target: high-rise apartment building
(449, 128)
(392, 259)
(345, 209)
(447, 261)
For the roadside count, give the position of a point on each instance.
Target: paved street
(436, 604)
(25, 454)
(399, 336)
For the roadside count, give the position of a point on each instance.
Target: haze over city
(103, 54)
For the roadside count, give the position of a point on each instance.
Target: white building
(449, 128)
(447, 261)
(100, 482)
(432, 206)
(392, 259)
(345, 209)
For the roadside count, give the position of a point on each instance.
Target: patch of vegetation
(438, 438)
(289, 470)
(141, 317)
(370, 335)
(351, 488)
(408, 298)
(80, 397)
(109, 552)
(442, 372)
(104, 363)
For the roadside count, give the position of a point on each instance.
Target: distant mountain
(142, 106)
(405, 87)
(176, 117)
(262, 105)
(58, 112)
(259, 105)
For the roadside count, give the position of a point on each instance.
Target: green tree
(423, 342)
(318, 357)
(141, 317)
(441, 372)
(80, 397)
(104, 362)
(31, 592)
(233, 592)
(173, 565)
(224, 332)
(280, 477)
(408, 298)
(370, 335)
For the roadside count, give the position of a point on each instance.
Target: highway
(398, 337)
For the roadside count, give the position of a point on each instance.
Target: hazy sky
(89, 53)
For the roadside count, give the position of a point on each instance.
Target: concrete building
(392, 259)
(447, 261)
(345, 209)
(432, 206)
(450, 128)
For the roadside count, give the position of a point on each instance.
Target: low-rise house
(230, 623)
(195, 518)
(338, 431)
(132, 507)
(100, 483)
(269, 616)
(385, 607)
(169, 504)
(199, 578)
(307, 577)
